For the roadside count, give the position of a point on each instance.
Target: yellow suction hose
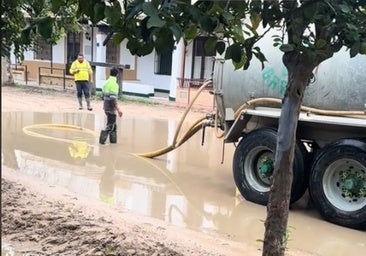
(254, 102)
(27, 130)
(194, 128)
(278, 102)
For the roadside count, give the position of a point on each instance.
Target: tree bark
(6, 72)
(299, 75)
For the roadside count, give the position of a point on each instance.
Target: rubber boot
(88, 104)
(113, 135)
(80, 100)
(103, 136)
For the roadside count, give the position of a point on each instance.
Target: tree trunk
(6, 73)
(299, 75)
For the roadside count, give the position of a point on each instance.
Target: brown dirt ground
(40, 220)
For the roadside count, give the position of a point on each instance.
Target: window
(163, 63)
(203, 62)
(73, 48)
(43, 50)
(112, 52)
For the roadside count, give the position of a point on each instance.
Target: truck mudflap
(337, 183)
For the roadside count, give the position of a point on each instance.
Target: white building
(142, 76)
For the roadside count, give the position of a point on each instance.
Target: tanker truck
(330, 153)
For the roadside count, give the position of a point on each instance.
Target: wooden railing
(192, 83)
(21, 70)
(54, 74)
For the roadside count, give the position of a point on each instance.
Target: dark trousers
(111, 121)
(110, 130)
(82, 87)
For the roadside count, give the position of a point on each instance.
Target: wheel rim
(258, 168)
(344, 184)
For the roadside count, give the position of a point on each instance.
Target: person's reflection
(106, 186)
(79, 149)
(107, 180)
(79, 152)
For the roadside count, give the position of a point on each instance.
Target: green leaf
(164, 40)
(287, 48)
(298, 21)
(240, 64)
(191, 32)
(260, 56)
(234, 52)
(45, 28)
(210, 44)
(255, 19)
(227, 16)
(310, 12)
(118, 38)
(207, 24)
(145, 49)
(320, 43)
(113, 14)
(149, 9)
(344, 8)
(98, 13)
(363, 48)
(195, 14)
(56, 5)
(177, 32)
(132, 45)
(155, 21)
(25, 36)
(220, 47)
(133, 9)
(355, 48)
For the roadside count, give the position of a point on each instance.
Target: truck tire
(252, 159)
(337, 183)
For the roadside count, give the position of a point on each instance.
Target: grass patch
(140, 101)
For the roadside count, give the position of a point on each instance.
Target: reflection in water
(187, 187)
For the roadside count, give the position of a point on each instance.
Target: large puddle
(188, 187)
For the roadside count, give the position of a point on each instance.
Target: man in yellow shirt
(83, 74)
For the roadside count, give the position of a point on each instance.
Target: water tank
(339, 83)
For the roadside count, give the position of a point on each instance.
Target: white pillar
(100, 57)
(177, 66)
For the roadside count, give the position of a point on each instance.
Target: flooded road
(188, 187)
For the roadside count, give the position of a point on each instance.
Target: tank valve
(210, 120)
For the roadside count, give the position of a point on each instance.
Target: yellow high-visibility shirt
(85, 70)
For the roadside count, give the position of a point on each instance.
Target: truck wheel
(253, 165)
(338, 183)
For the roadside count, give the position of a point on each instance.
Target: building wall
(58, 61)
(145, 73)
(140, 71)
(126, 58)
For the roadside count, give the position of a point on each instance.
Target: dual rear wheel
(337, 179)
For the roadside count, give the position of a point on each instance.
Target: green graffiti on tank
(274, 81)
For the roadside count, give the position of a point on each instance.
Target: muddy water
(188, 187)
